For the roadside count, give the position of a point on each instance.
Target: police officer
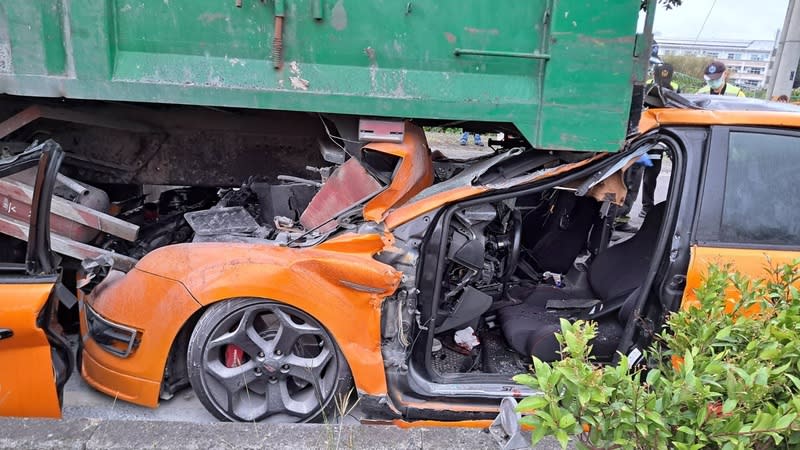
(716, 76)
(662, 76)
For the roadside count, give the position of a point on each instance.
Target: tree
(669, 4)
(693, 66)
(688, 71)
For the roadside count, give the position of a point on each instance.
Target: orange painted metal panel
(654, 118)
(414, 174)
(340, 288)
(27, 383)
(482, 424)
(146, 302)
(751, 262)
(118, 385)
(412, 210)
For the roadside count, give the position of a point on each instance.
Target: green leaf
(795, 380)
(652, 376)
(786, 420)
(641, 427)
(688, 362)
(686, 430)
(584, 396)
(781, 369)
(526, 379)
(563, 438)
(547, 419)
(532, 403)
(537, 435)
(763, 421)
(571, 341)
(769, 352)
(542, 369)
(702, 415)
(723, 333)
(655, 418)
(531, 421)
(567, 421)
(761, 377)
(746, 378)
(729, 406)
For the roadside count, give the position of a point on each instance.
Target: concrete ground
(87, 434)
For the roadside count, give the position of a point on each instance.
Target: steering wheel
(516, 246)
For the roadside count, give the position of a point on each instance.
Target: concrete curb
(92, 434)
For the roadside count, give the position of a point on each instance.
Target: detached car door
(750, 209)
(35, 360)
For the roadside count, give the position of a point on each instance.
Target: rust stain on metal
(277, 44)
(451, 38)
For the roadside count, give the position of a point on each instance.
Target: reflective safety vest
(729, 90)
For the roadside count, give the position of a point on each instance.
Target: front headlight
(112, 337)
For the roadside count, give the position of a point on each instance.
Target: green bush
(716, 379)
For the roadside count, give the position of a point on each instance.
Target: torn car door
(35, 359)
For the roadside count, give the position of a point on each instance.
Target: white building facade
(748, 62)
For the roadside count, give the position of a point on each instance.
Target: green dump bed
(562, 71)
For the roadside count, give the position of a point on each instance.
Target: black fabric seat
(614, 277)
(553, 244)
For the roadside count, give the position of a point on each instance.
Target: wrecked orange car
(422, 283)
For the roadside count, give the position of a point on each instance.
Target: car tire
(257, 360)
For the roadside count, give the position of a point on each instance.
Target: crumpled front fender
(340, 285)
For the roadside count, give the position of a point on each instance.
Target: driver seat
(615, 277)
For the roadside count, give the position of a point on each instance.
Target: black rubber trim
(39, 257)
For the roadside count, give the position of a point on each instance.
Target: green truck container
(562, 72)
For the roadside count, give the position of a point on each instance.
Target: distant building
(748, 61)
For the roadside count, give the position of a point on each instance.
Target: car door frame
(40, 265)
(709, 221)
(664, 285)
(708, 247)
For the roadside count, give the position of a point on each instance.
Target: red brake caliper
(234, 355)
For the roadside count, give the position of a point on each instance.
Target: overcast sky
(730, 19)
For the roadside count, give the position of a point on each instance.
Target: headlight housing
(117, 339)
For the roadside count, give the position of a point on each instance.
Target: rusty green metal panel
(562, 71)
